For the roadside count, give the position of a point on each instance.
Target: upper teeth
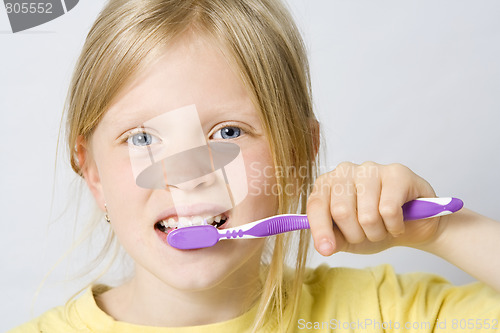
(185, 221)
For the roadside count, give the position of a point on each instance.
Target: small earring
(106, 217)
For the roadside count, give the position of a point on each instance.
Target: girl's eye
(228, 132)
(142, 139)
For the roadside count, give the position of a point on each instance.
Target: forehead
(192, 70)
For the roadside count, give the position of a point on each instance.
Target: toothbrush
(197, 237)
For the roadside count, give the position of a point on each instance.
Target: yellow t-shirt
(333, 299)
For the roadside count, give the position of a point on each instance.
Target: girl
(158, 78)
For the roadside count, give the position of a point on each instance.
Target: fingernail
(326, 247)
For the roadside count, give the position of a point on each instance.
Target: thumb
(328, 246)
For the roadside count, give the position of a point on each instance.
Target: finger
(396, 192)
(343, 208)
(320, 219)
(392, 197)
(368, 187)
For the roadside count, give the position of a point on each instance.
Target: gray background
(415, 82)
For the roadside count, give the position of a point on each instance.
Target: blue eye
(228, 132)
(142, 139)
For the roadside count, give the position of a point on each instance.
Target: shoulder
(69, 318)
(51, 321)
(400, 296)
(344, 283)
(325, 276)
(385, 280)
(382, 274)
(25, 328)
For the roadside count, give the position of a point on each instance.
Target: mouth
(175, 222)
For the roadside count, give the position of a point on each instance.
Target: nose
(198, 167)
(185, 170)
(195, 183)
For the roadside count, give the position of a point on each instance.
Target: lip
(200, 209)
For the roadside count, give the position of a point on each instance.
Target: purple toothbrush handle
(425, 208)
(272, 226)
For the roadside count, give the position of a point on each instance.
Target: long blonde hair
(262, 41)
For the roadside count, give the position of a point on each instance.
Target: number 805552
(24, 8)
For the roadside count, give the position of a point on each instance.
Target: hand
(365, 203)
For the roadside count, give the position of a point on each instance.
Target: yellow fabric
(348, 300)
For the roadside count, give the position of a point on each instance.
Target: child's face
(191, 72)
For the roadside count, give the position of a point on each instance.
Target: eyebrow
(126, 118)
(134, 119)
(246, 110)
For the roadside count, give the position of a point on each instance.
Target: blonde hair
(262, 41)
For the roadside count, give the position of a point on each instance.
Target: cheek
(122, 195)
(117, 177)
(260, 174)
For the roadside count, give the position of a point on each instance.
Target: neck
(145, 300)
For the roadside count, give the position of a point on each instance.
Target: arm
(471, 242)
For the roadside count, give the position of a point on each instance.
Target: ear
(314, 128)
(89, 170)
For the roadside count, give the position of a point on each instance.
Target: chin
(198, 279)
(226, 263)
